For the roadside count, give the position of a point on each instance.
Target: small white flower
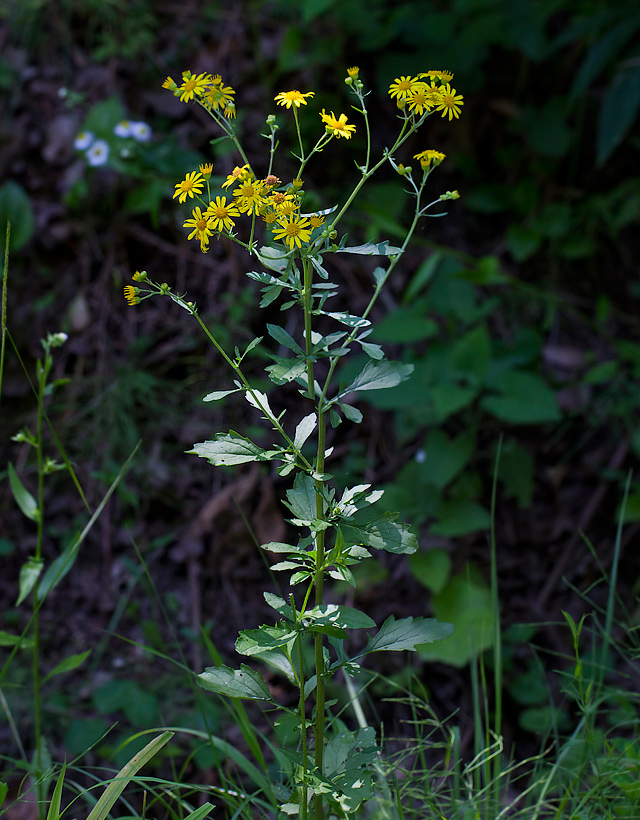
(123, 129)
(83, 140)
(140, 131)
(420, 456)
(98, 154)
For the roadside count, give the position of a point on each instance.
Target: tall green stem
(43, 368)
(319, 583)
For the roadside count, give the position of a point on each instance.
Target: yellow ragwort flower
(443, 76)
(220, 96)
(219, 214)
(249, 196)
(353, 71)
(337, 126)
(131, 295)
(237, 175)
(315, 220)
(192, 84)
(401, 87)
(428, 158)
(206, 169)
(294, 231)
(449, 102)
(170, 84)
(190, 185)
(421, 99)
(289, 98)
(201, 225)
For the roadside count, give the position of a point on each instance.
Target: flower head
(294, 231)
(131, 295)
(170, 84)
(202, 228)
(315, 220)
(421, 99)
(289, 98)
(219, 214)
(449, 102)
(337, 126)
(429, 158)
(206, 169)
(140, 131)
(192, 184)
(353, 71)
(443, 76)
(401, 87)
(192, 84)
(237, 175)
(98, 154)
(123, 129)
(83, 140)
(220, 96)
(249, 196)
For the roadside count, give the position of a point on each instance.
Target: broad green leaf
(4, 789)
(279, 546)
(125, 775)
(68, 664)
(286, 370)
(384, 533)
(619, 111)
(235, 683)
(471, 353)
(343, 617)
(16, 208)
(301, 500)
(526, 399)
(230, 448)
(29, 574)
(378, 376)
(445, 458)
(304, 429)
(600, 55)
(460, 516)
(432, 569)
(465, 601)
(405, 324)
(407, 634)
(22, 496)
(254, 641)
(349, 320)
(276, 259)
(449, 398)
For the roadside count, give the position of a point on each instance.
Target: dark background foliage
(518, 310)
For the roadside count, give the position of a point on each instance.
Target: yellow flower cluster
(429, 91)
(207, 89)
(266, 198)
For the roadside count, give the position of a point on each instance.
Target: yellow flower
(315, 220)
(443, 76)
(190, 185)
(289, 98)
(219, 214)
(206, 170)
(338, 127)
(421, 99)
(192, 84)
(237, 175)
(449, 102)
(270, 217)
(353, 71)
(249, 197)
(293, 231)
(219, 95)
(201, 225)
(131, 295)
(401, 87)
(428, 158)
(170, 84)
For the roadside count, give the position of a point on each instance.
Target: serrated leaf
(29, 574)
(384, 533)
(22, 496)
(343, 617)
(68, 664)
(244, 683)
(378, 376)
(304, 429)
(407, 634)
(230, 448)
(286, 370)
(254, 641)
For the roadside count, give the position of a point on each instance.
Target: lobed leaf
(244, 683)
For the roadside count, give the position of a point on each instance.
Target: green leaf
(526, 399)
(29, 574)
(301, 500)
(16, 208)
(7, 639)
(68, 664)
(619, 111)
(378, 376)
(282, 337)
(384, 533)
(286, 370)
(4, 789)
(22, 496)
(276, 259)
(200, 812)
(304, 429)
(445, 458)
(235, 683)
(343, 617)
(431, 569)
(407, 634)
(265, 638)
(349, 320)
(373, 249)
(220, 394)
(53, 812)
(470, 355)
(460, 517)
(230, 448)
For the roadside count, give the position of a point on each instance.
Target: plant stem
(319, 582)
(37, 706)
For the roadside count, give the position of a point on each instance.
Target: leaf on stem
(407, 634)
(23, 497)
(231, 448)
(235, 683)
(377, 376)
